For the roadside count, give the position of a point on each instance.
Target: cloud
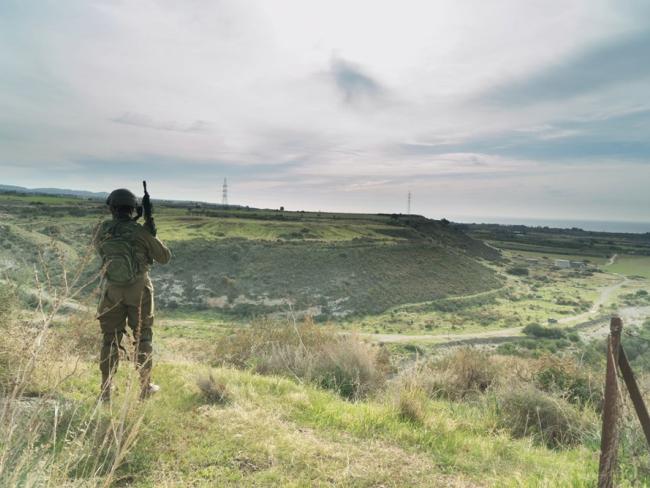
(140, 120)
(471, 106)
(355, 85)
(612, 62)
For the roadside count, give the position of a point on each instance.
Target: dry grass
(282, 453)
(307, 352)
(46, 439)
(560, 415)
(214, 391)
(458, 375)
(525, 410)
(411, 405)
(566, 377)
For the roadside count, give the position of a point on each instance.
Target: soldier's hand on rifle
(149, 223)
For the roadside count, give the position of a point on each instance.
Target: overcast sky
(484, 108)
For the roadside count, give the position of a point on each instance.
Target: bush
(571, 381)
(410, 404)
(212, 390)
(518, 271)
(536, 330)
(305, 351)
(461, 374)
(8, 302)
(527, 411)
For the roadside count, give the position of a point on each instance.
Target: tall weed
(527, 411)
(307, 352)
(47, 439)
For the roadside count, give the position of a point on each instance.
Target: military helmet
(122, 198)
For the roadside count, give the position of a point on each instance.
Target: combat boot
(148, 390)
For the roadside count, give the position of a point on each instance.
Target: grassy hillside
(279, 402)
(247, 261)
(451, 425)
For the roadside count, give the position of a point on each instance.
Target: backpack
(117, 250)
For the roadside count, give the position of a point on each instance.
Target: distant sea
(592, 225)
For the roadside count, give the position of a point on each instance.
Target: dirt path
(491, 335)
(605, 295)
(632, 317)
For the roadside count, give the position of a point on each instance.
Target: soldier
(128, 250)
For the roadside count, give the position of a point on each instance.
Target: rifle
(149, 223)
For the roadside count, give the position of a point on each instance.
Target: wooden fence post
(609, 438)
(635, 394)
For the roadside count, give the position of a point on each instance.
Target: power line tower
(224, 192)
(408, 205)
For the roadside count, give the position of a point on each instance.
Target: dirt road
(605, 294)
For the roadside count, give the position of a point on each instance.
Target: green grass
(210, 229)
(631, 266)
(275, 432)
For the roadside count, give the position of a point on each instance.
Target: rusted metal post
(609, 438)
(635, 394)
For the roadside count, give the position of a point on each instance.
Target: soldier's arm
(157, 250)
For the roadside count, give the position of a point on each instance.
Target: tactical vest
(117, 250)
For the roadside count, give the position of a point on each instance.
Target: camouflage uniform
(132, 304)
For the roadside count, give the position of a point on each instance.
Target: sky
(510, 108)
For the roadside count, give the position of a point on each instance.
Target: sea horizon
(614, 226)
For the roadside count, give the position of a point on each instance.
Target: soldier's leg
(112, 320)
(109, 358)
(140, 319)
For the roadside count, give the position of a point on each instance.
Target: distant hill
(53, 191)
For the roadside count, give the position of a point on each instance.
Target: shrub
(410, 404)
(571, 381)
(212, 390)
(472, 370)
(8, 301)
(527, 411)
(536, 330)
(347, 366)
(518, 271)
(463, 373)
(305, 351)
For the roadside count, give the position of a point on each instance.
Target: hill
(250, 261)
(52, 191)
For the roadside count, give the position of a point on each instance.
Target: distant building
(562, 263)
(566, 264)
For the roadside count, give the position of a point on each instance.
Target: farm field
(632, 266)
